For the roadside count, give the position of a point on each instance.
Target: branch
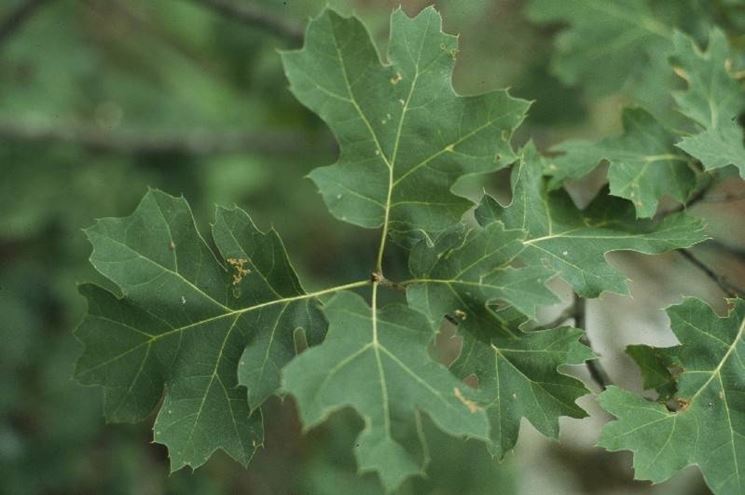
(256, 17)
(568, 313)
(701, 196)
(726, 287)
(597, 372)
(18, 17)
(724, 198)
(144, 142)
(735, 251)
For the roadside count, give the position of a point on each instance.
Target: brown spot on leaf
(239, 265)
(471, 405)
(472, 380)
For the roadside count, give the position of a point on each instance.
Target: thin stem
(564, 316)
(728, 289)
(374, 306)
(701, 196)
(724, 198)
(597, 372)
(378, 278)
(383, 238)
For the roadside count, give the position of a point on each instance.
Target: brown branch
(701, 196)
(563, 316)
(724, 198)
(152, 142)
(736, 251)
(18, 16)
(597, 372)
(256, 17)
(726, 287)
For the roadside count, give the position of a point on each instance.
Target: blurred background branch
(727, 288)
(17, 17)
(177, 142)
(190, 97)
(256, 17)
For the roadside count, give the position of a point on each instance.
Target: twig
(379, 278)
(597, 372)
(563, 316)
(735, 251)
(145, 24)
(729, 289)
(251, 15)
(18, 17)
(726, 287)
(144, 142)
(724, 198)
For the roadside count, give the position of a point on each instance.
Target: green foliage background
(111, 68)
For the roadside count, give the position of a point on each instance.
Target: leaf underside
(713, 101)
(708, 428)
(184, 318)
(573, 243)
(644, 163)
(376, 361)
(405, 136)
(212, 332)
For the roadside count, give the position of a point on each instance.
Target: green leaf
(713, 100)
(518, 377)
(644, 164)
(405, 136)
(708, 428)
(182, 322)
(376, 361)
(454, 465)
(470, 269)
(270, 278)
(464, 274)
(657, 367)
(573, 242)
(608, 42)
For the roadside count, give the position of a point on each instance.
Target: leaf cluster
(205, 330)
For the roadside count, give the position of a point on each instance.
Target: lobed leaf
(518, 377)
(713, 101)
(471, 269)
(573, 242)
(376, 361)
(608, 44)
(405, 136)
(182, 322)
(465, 275)
(644, 164)
(708, 428)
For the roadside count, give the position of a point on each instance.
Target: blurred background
(101, 99)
